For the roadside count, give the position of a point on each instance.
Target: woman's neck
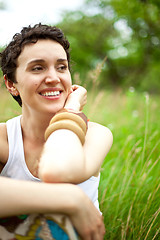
(34, 125)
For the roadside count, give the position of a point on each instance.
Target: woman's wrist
(73, 107)
(75, 121)
(76, 199)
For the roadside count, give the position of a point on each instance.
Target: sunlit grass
(8, 106)
(130, 178)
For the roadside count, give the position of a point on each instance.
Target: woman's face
(43, 77)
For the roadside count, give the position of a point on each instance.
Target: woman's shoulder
(3, 143)
(103, 130)
(100, 133)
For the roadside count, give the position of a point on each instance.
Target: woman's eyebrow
(38, 61)
(42, 60)
(35, 61)
(32, 62)
(62, 60)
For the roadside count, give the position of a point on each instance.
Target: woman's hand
(86, 219)
(77, 98)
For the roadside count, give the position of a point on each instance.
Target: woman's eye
(37, 68)
(62, 67)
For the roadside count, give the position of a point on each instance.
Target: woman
(36, 68)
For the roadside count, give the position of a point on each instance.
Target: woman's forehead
(42, 49)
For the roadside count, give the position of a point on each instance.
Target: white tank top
(16, 166)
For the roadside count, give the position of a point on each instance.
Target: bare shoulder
(100, 135)
(3, 144)
(100, 130)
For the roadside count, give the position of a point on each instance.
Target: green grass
(130, 177)
(8, 106)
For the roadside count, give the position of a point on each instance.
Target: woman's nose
(52, 76)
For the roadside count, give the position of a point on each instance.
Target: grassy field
(130, 179)
(130, 176)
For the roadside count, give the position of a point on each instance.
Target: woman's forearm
(26, 197)
(63, 158)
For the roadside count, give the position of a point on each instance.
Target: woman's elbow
(49, 175)
(60, 175)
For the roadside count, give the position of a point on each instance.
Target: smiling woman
(46, 77)
(37, 74)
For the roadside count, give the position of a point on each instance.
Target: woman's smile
(51, 93)
(45, 71)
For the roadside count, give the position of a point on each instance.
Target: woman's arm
(64, 159)
(4, 149)
(18, 196)
(26, 197)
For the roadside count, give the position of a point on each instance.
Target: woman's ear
(10, 86)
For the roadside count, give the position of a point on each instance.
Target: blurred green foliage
(127, 32)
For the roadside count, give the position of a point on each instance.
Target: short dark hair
(9, 56)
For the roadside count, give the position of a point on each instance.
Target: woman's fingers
(77, 98)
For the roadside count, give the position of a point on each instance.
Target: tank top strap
(16, 166)
(15, 140)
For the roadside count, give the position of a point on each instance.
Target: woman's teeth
(55, 93)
